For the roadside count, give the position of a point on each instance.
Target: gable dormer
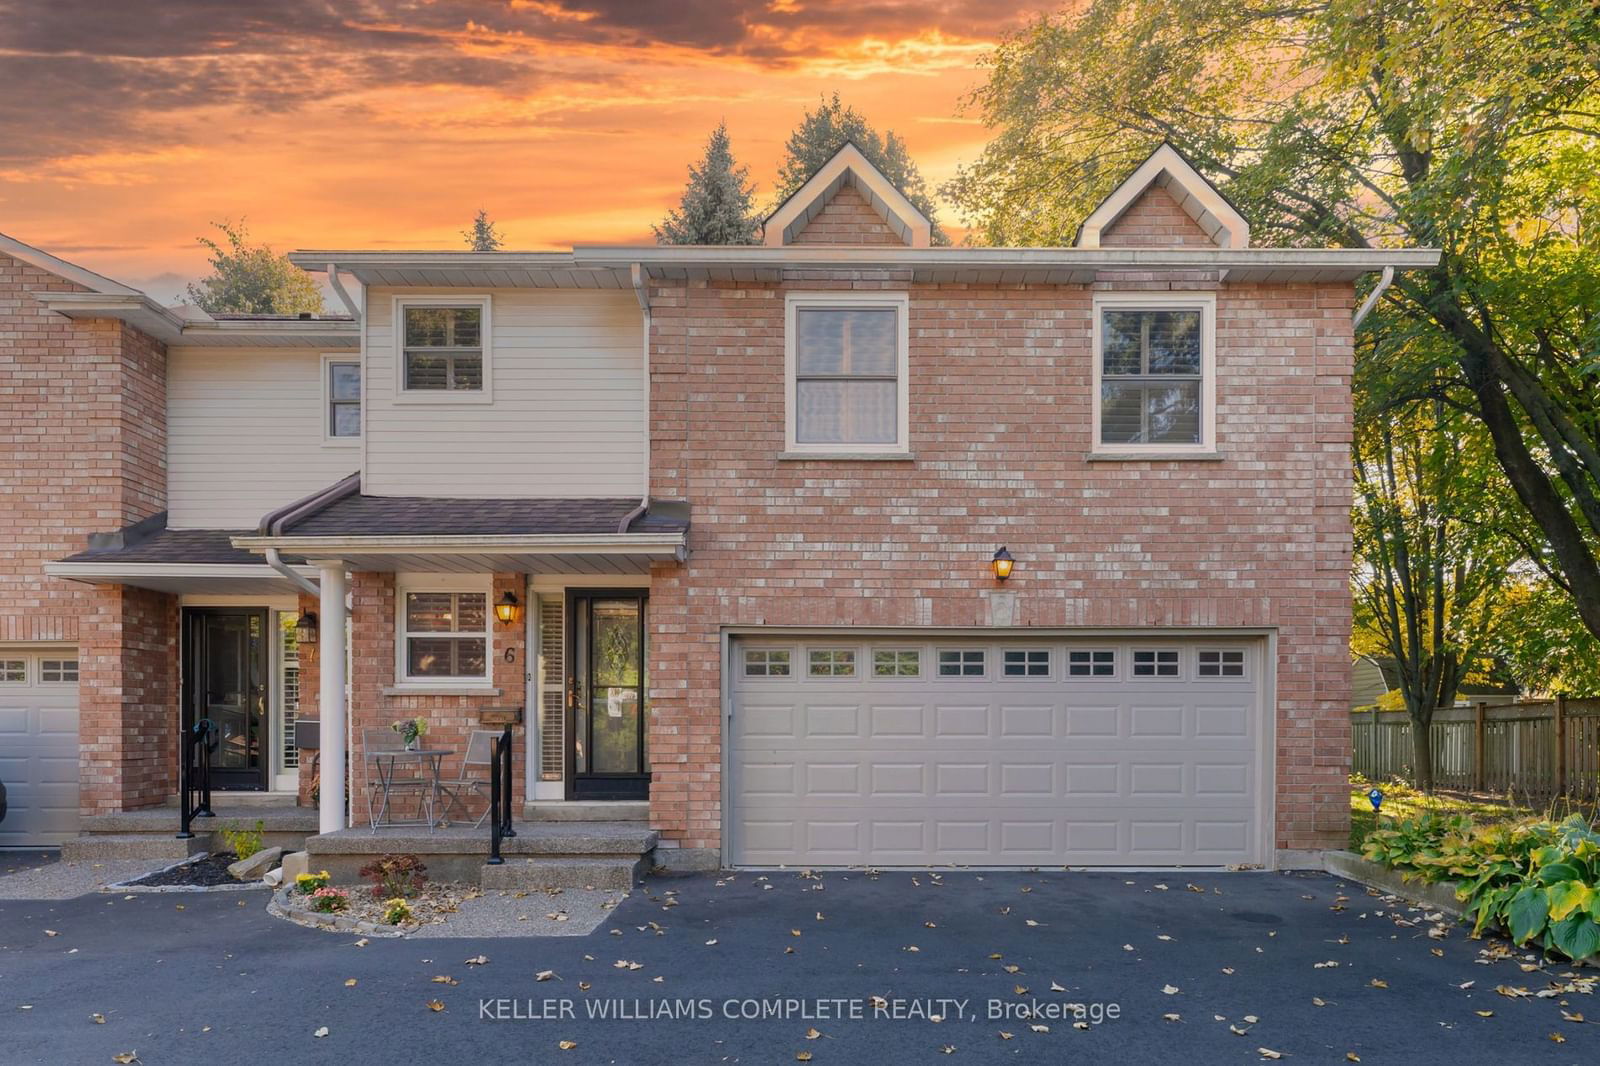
(1165, 203)
(848, 201)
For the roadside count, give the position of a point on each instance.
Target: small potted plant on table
(412, 729)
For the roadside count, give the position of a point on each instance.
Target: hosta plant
(1539, 881)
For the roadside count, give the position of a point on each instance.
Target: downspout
(275, 561)
(1384, 281)
(641, 291)
(337, 285)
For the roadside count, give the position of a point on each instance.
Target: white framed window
(13, 671)
(444, 633)
(962, 662)
(1155, 379)
(341, 399)
(444, 349)
(1220, 662)
(1156, 662)
(1091, 662)
(831, 662)
(766, 662)
(896, 662)
(58, 671)
(846, 368)
(1025, 662)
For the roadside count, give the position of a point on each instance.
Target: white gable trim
(1197, 196)
(27, 253)
(848, 164)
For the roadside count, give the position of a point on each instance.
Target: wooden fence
(1534, 751)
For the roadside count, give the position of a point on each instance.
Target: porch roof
(197, 561)
(598, 535)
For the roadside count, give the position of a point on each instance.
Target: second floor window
(1152, 365)
(847, 369)
(344, 399)
(443, 349)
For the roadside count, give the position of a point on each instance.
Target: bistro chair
(467, 783)
(408, 782)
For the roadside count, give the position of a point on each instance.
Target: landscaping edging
(1439, 896)
(284, 904)
(127, 885)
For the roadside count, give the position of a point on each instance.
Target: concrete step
(586, 811)
(573, 872)
(160, 821)
(133, 846)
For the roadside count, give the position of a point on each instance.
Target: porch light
(1001, 564)
(508, 610)
(305, 628)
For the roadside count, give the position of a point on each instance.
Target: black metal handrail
(499, 794)
(194, 776)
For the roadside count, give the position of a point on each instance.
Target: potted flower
(413, 729)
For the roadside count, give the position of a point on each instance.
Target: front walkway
(1303, 965)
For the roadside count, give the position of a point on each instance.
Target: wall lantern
(1001, 564)
(508, 610)
(305, 628)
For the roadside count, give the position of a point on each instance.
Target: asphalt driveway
(845, 967)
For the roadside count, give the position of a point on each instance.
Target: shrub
(1540, 881)
(242, 842)
(396, 911)
(395, 875)
(329, 900)
(308, 883)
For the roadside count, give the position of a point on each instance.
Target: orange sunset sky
(125, 125)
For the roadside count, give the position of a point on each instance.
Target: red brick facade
(847, 219)
(1000, 388)
(128, 699)
(1155, 220)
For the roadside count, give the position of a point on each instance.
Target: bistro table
(425, 784)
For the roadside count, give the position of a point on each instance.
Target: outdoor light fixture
(305, 628)
(1001, 564)
(508, 610)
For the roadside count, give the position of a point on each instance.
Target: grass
(1402, 801)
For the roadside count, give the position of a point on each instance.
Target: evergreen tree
(716, 206)
(250, 279)
(824, 131)
(483, 236)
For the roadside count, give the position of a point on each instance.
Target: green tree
(1465, 125)
(824, 131)
(251, 279)
(483, 236)
(717, 205)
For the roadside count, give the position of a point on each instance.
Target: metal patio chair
(467, 783)
(380, 789)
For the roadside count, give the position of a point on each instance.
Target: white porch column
(330, 654)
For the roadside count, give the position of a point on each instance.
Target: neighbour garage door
(847, 751)
(39, 746)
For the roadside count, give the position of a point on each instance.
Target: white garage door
(39, 746)
(846, 751)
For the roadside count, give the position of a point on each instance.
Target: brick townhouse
(841, 549)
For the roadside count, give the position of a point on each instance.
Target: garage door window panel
(963, 662)
(1026, 662)
(1220, 663)
(58, 671)
(767, 662)
(1158, 663)
(831, 662)
(896, 662)
(13, 671)
(1092, 662)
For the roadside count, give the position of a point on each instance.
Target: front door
(225, 680)
(606, 703)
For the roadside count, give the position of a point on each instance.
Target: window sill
(1153, 457)
(341, 442)
(847, 457)
(442, 396)
(420, 689)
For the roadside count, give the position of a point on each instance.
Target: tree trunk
(1421, 755)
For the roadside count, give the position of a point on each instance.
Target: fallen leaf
(1268, 1053)
(478, 960)
(1056, 988)
(51, 932)
(322, 1032)
(948, 1049)
(1485, 1013)
(1251, 1018)
(361, 943)
(1170, 990)
(1558, 1038)
(1171, 1017)
(583, 986)
(1228, 970)
(1237, 1031)
(1005, 1035)
(711, 943)
(350, 982)
(435, 1005)
(1351, 1056)
(802, 1056)
(1163, 936)
(544, 975)
(125, 1057)
(445, 979)
(1318, 1001)
(1564, 1017)
(1039, 1028)
(567, 1045)
(100, 1019)
(813, 1033)
(1011, 967)
(1375, 983)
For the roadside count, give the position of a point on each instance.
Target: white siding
(244, 435)
(567, 417)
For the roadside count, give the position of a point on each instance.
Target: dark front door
(225, 681)
(606, 704)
